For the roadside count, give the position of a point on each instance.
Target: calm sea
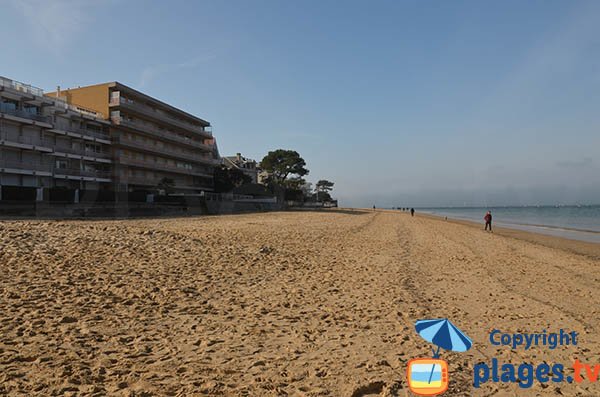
(575, 222)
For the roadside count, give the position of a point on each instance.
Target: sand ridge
(297, 303)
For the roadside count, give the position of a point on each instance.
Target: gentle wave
(574, 222)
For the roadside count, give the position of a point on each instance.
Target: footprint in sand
(370, 389)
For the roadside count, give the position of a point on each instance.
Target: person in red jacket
(488, 220)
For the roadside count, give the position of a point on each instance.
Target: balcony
(153, 182)
(26, 166)
(61, 104)
(137, 126)
(136, 180)
(82, 173)
(21, 87)
(161, 167)
(47, 169)
(147, 111)
(34, 142)
(80, 133)
(82, 152)
(4, 108)
(165, 151)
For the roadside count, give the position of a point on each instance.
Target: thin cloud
(559, 51)
(583, 163)
(53, 24)
(150, 73)
(302, 135)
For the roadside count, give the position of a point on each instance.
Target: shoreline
(586, 233)
(581, 247)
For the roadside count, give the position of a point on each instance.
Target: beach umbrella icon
(442, 333)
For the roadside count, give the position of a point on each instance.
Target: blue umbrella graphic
(442, 333)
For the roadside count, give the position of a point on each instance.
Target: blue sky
(398, 102)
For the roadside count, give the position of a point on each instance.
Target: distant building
(246, 165)
(105, 138)
(46, 143)
(151, 140)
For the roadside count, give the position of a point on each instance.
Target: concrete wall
(128, 210)
(236, 207)
(94, 97)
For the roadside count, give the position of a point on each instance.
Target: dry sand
(299, 303)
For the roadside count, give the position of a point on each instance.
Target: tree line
(285, 171)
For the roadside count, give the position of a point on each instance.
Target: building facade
(246, 165)
(48, 143)
(152, 142)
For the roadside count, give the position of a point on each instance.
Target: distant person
(412, 212)
(488, 220)
(374, 207)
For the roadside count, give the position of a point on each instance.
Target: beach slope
(296, 303)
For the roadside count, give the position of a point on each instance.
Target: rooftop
(17, 85)
(132, 91)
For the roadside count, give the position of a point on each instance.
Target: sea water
(575, 222)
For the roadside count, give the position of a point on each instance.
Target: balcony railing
(49, 167)
(138, 180)
(83, 131)
(154, 182)
(23, 114)
(165, 151)
(158, 133)
(164, 117)
(62, 104)
(26, 165)
(80, 172)
(50, 145)
(22, 87)
(162, 167)
(27, 140)
(82, 152)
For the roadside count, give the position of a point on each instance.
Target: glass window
(31, 109)
(8, 105)
(62, 164)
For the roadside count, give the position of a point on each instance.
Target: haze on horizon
(399, 103)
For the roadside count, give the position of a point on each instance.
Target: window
(31, 109)
(125, 99)
(8, 105)
(93, 147)
(62, 164)
(88, 167)
(94, 128)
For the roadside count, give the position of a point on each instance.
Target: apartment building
(47, 143)
(152, 141)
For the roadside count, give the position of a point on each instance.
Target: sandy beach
(293, 303)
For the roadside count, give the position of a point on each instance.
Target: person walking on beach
(412, 212)
(488, 220)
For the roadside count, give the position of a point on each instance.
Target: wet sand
(297, 303)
